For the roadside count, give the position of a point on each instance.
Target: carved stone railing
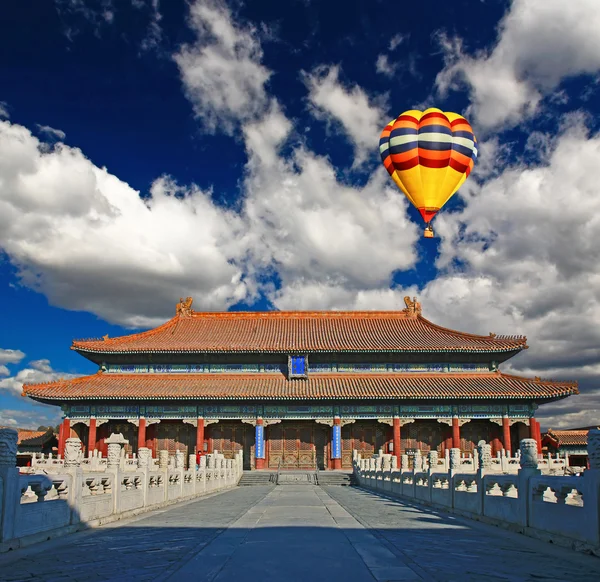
(59, 496)
(558, 508)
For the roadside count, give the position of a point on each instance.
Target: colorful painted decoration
(429, 154)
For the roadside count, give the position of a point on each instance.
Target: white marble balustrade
(57, 496)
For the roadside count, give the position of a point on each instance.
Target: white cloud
(361, 117)
(154, 32)
(309, 227)
(37, 372)
(88, 241)
(51, 132)
(384, 67)
(36, 415)
(4, 371)
(397, 40)
(539, 44)
(221, 72)
(4, 110)
(97, 13)
(522, 257)
(11, 356)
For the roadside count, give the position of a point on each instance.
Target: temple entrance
(174, 435)
(230, 437)
(294, 445)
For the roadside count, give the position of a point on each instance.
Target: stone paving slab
(443, 547)
(297, 537)
(141, 548)
(297, 532)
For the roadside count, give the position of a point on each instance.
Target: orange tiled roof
(276, 386)
(33, 437)
(298, 331)
(569, 437)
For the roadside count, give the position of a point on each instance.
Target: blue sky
(229, 151)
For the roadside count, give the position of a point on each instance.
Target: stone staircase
(297, 478)
(253, 478)
(335, 478)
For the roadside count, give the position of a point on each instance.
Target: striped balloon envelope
(429, 154)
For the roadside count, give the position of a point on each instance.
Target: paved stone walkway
(291, 533)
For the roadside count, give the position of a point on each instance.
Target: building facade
(301, 389)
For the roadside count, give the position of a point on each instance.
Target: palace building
(300, 389)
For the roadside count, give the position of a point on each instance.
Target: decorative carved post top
(454, 459)
(8, 447)
(389, 421)
(211, 421)
(447, 421)
(529, 456)
(73, 452)
(327, 421)
(116, 439)
(404, 421)
(269, 421)
(134, 421)
(192, 421)
(84, 421)
(496, 420)
(346, 421)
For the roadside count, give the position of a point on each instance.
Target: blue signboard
(298, 365)
(336, 448)
(259, 447)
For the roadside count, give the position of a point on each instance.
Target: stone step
(250, 478)
(335, 479)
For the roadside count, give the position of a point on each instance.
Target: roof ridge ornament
(184, 308)
(413, 308)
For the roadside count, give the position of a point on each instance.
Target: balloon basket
(428, 232)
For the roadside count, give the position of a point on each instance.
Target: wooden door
(229, 438)
(290, 448)
(174, 435)
(321, 440)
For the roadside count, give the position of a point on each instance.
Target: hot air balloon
(429, 154)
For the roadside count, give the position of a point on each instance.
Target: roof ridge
(539, 380)
(141, 334)
(303, 314)
(492, 337)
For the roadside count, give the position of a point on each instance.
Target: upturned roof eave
(300, 350)
(545, 398)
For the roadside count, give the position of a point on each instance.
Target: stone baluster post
(528, 468)
(10, 493)
(163, 460)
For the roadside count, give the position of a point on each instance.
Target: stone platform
(294, 533)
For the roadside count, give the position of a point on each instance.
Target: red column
(506, 435)
(92, 435)
(63, 435)
(259, 463)
(142, 433)
(455, 433)
(337, 463)
(397, 440)
(200, 436)
(534, 433)
(532, 428)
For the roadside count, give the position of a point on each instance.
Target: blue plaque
(336, 445)
(298, 365)
(259, 446)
